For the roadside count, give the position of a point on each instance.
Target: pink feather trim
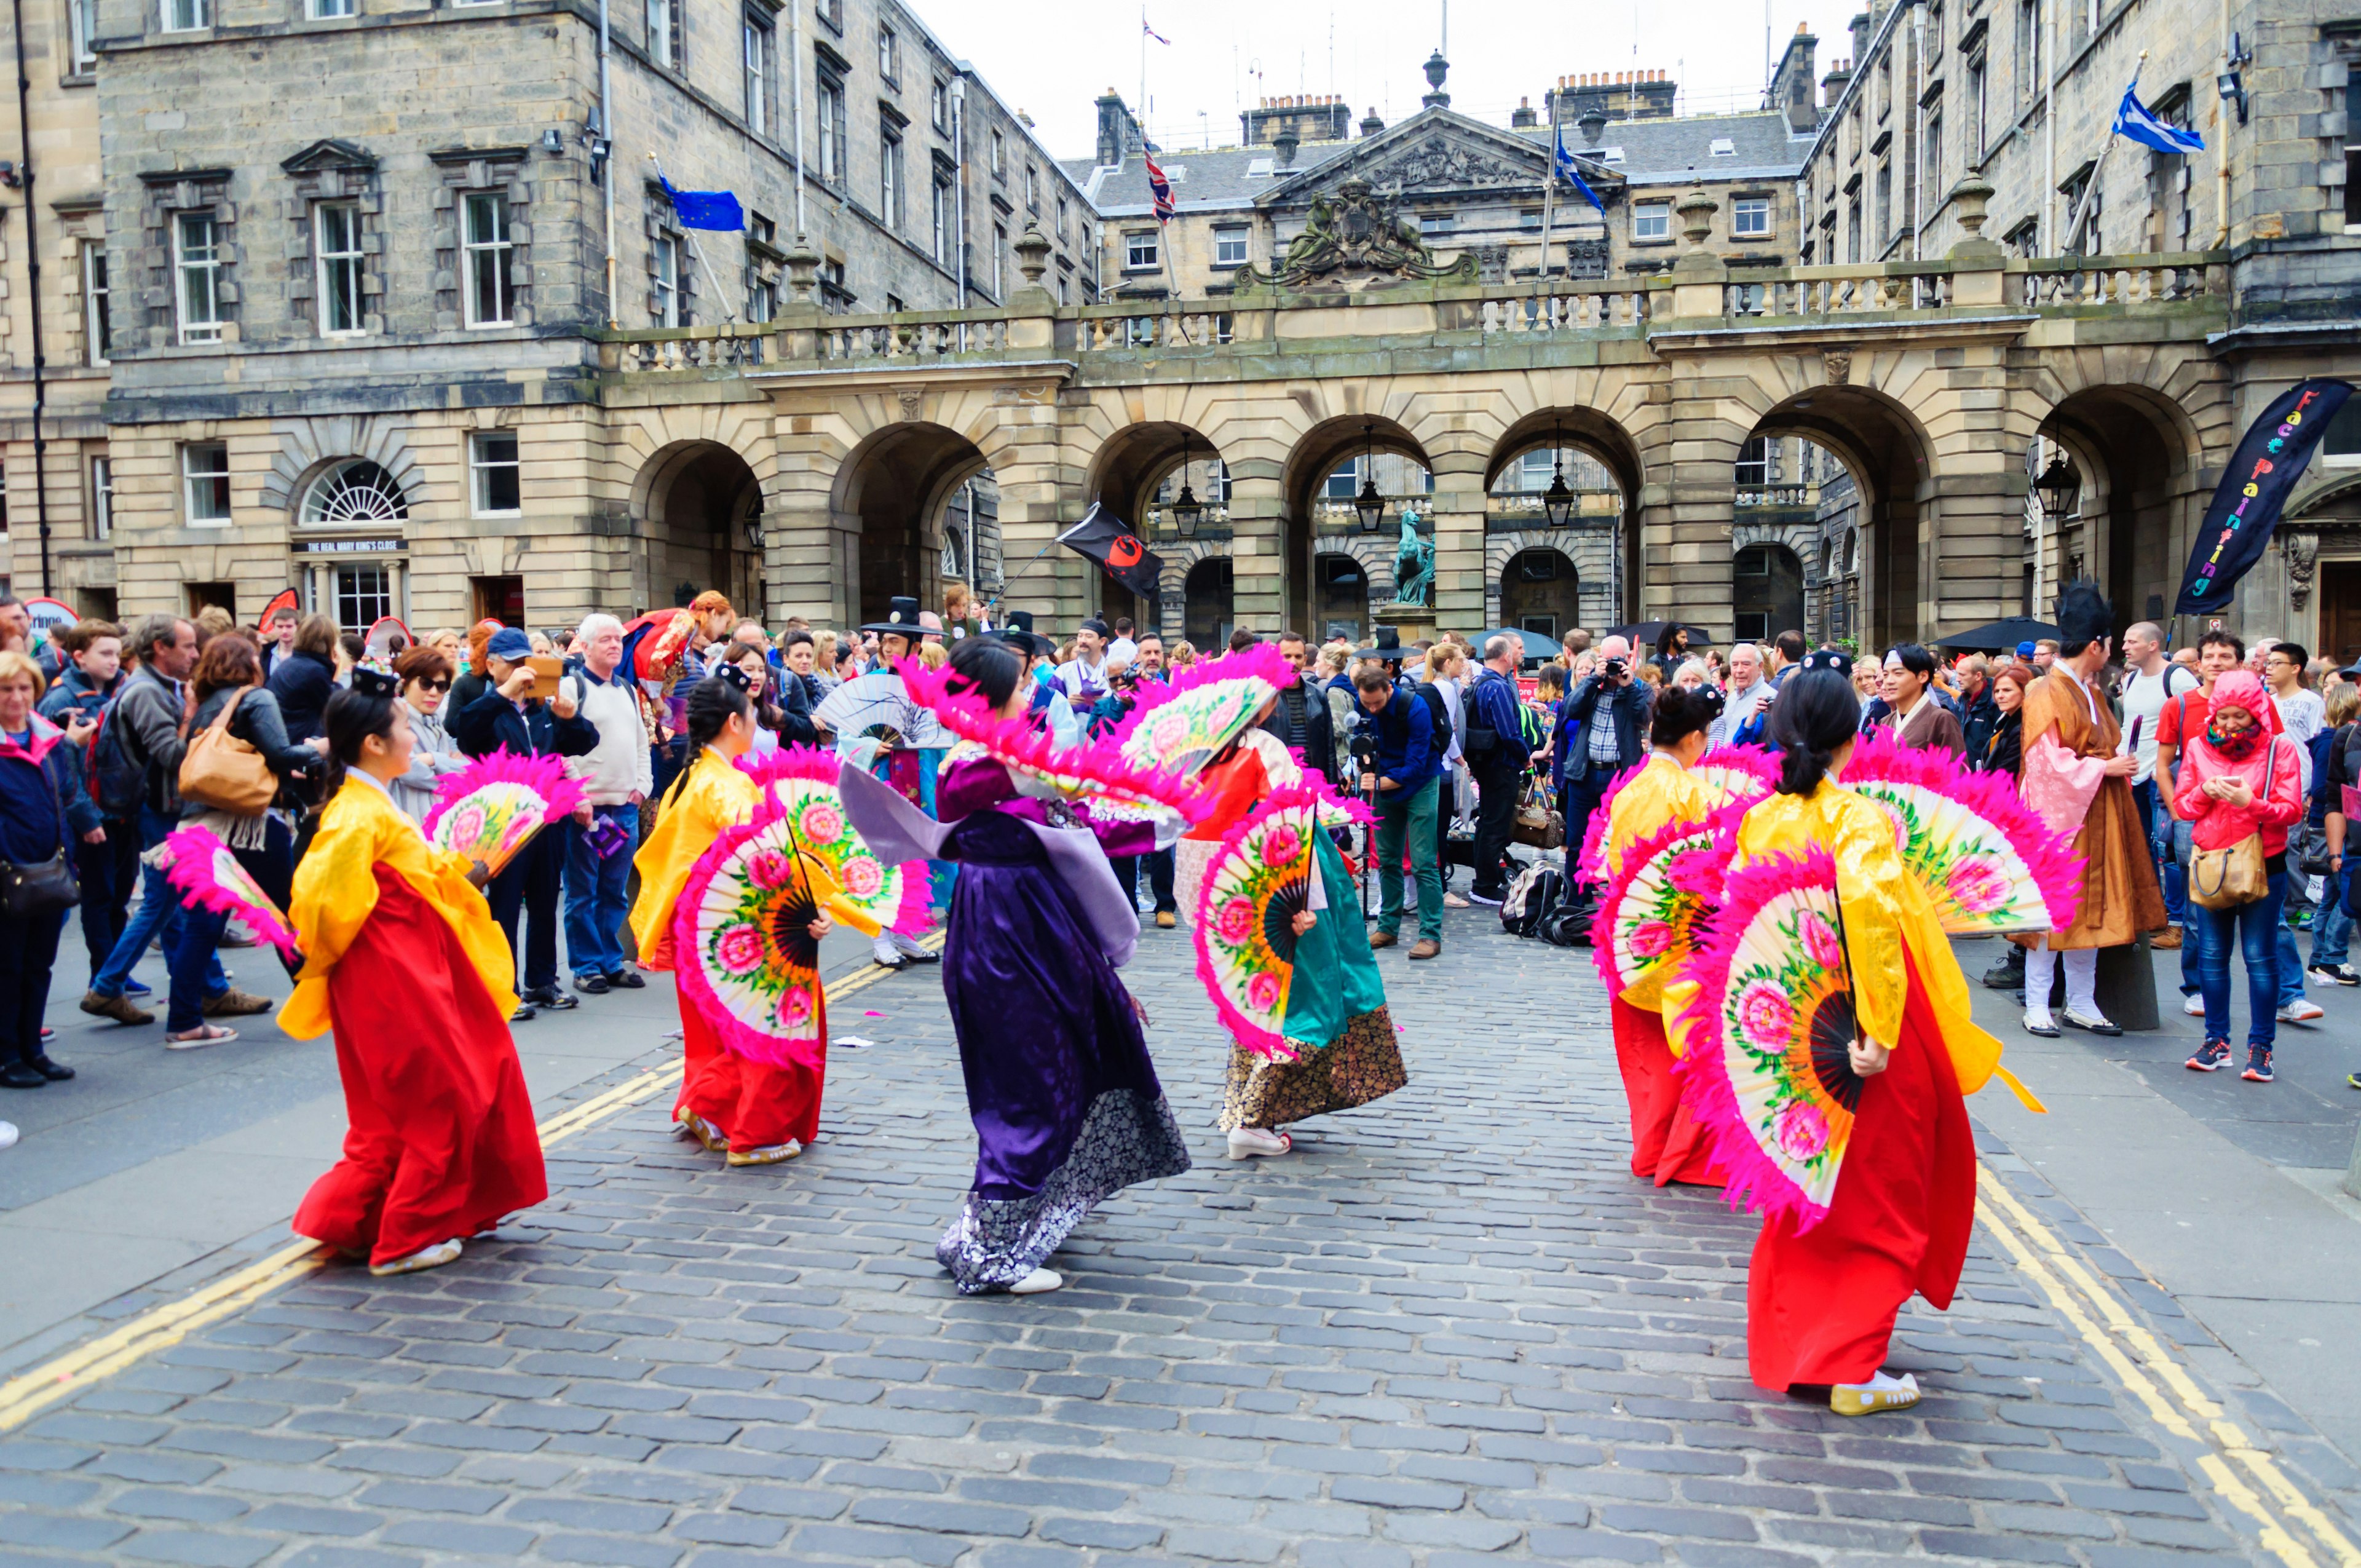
(1755, 1179)
(1723, 824)
(1097, 768)
(2058, 867)
(1759, 762)
(1590, 865)
(1263, 662)
(545, 776)
(1250, 1033)
(188, 861)
(915, 915)
(737, 1037)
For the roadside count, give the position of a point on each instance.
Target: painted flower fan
(492, 807)
(1255, 885)
(202, 868)
(1659, 908)
(1740, 772)
(1769, 1069)
(742, 934)
(1990, 862)
(1177, 728)
(801, 780)
(1089, 772)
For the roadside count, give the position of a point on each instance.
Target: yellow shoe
(771, 1156)
(697, 1127)
(1165, 920)
(1880, 1393)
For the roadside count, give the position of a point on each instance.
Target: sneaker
(121, 1009)
(7, 1134)
(2352, 1080)
(2040, 1024)
(2211, 1057)
(1880, 1393)
(550, 999)
(434, 1256)
(2302, 1010)
(2167, 940)
(1488, 900)
(2193, 1005)
(591, 985)
(526, 1014)
(18, 1075)
(2333, 974)
(2008, 974)
(624, 980)
(1246, 1142)
(134, 988)
(234, 1004)
(2259, 1065)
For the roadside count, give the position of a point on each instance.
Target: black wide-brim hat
(1388, 645)
(901, 618)
(1019, 634)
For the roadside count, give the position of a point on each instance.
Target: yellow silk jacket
(1660, 792)
(335, 891)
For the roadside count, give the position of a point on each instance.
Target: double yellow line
(2294, 1529)
(159, 1328)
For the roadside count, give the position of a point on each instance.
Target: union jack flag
(1152, 33)
(1161, 189)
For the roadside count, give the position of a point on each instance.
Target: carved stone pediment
(1441, 161)
(1357, 233)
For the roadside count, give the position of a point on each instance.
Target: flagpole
(1548, 190)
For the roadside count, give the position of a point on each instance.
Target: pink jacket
(2216, 824)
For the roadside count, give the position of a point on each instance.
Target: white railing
(1117, 330)
(901, 337)
(2073, 281)
(1530, 311)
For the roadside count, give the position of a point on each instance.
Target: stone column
(1459, 517)
(1685, 519)
(1258, 533)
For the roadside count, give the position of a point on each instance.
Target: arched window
(353, 492)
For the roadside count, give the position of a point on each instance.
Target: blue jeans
(197, 943)
(2332, 928)
(594, 905)
(2290, 960)
(2253, 928)
(1408, 818)
(159, 915)
(2160, 845)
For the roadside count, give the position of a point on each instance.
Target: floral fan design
(201, 866)
(746, 955)
(801, 780)
(1178, 726)
(1659, 908)
(1990, 862)
(1769, 1069)
(1087, 773)
(1740, 772)
(1255, 885)
(492, 807)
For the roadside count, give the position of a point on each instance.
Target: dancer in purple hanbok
(1065, 1100)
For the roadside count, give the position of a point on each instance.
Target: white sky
(1052, 57)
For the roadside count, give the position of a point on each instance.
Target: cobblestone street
(1450, 1327)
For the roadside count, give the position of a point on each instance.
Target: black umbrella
(1997, 636)
(1537, 645)
(1643, 634)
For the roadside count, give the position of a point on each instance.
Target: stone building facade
(376, 363)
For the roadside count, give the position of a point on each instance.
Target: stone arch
(1540, 579)
(1888, 455)
(2135, 452)
(699, 508)
(1126, 474)
(1317, 453)
(310, 447)
(1590, 558)
(1172, 584)
(890, 489)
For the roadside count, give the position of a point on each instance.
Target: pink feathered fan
(801, 781)
(1990, 862)
(201, 866)
(492, 807)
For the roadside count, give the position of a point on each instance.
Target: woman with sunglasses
(425, 675)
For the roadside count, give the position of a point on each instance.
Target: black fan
(1832, 1036)
(791, 927)
(1289, 900)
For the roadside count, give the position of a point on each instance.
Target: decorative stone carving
(1838, 363)
(1440, 162)
(1359, 230)
(1033, 254)
(2301, 548)
(913, 401)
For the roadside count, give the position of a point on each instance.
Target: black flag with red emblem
(1118, 548)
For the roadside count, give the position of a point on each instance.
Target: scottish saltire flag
(2138, 121)
(1152, 33)
(1569, 169)
(705, 209)
(1159, 189)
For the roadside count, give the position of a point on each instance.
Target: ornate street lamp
(1557, 501)
(1370, 506)
(1186, 510)
(2058, 487)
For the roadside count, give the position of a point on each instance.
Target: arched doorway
(1139, 472)
(1209, 611)
(1766, 592)
(2129, 459)
(704, 509)
(1595, 461)
(1876, 464)
(1340, 599)
(1541, 592)
(901, 485)
(1325, 476)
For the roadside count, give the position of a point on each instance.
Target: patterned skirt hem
(1128, 1137)
(1364, 1064)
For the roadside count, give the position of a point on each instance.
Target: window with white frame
(663, 32)
(355, 492)
(946, 218)
(364, 597)
(187, 16)
(1437, 222)
(758, 37)
(1754, 462)
(889, 177)
(889, 56)
(204, 483)
(487, 249)
(1651, 220)
(1229, 247)
(831, 105)
(494, 487)
(1139, 249)
(940, 104)
(82, 30)
(97, 298)
(336, 251)
(328, 10)
(1032, 189)
(1749, 217)
(667, 256)
(101, 497)
(197, 269)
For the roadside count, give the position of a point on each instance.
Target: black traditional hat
(1387, 646)
(1829, 659)
(901, 618)
(371, 677)
(2083, 614)
(735, 675)
(1018, 633)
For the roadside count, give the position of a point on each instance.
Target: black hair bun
(735, 676)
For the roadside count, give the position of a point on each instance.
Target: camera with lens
(1615, 669)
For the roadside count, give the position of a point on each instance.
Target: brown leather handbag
(2233, 875)
(225, 773)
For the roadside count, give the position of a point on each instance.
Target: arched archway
(1599, 466)
(2131, 456)
(1209, 605)
(1323, 475)
(1883, 453)
(1766, 591)
(894, 488)
(1137, 474)
(1540, 591)
(701, 506)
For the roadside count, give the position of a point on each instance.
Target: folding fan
(1257, 882)
(801, 780)
(1740, 772)
(492, 807)
(201, 866)
(1178, 725)
(1659, 907)
(1989, 860)
(1091, 773)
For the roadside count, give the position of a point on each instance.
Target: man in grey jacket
(616, 777)
(147, 717)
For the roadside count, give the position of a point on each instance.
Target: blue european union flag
(705, 209)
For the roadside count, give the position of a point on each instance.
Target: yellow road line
(2086, 1302)
(161, 1327)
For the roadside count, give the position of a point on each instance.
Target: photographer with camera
(1600, 732)
(1498, 756)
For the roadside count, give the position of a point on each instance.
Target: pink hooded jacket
(2216, 824)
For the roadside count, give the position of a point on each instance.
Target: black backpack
(116, 783)
(1535, 891)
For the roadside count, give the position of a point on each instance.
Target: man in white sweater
(616, 778)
